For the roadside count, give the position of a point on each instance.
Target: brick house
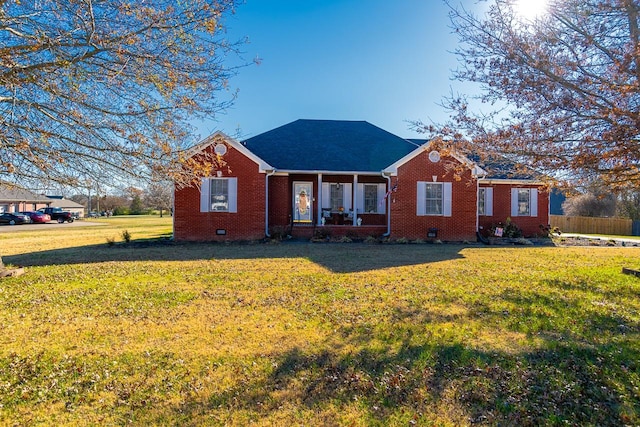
(350, 178)
(16, 199)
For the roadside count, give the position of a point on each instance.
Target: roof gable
(329, 145)
(426, 146)
(497, 167)
(215, 138)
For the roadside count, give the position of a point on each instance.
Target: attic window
(220, 149)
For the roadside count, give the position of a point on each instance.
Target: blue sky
(386, 62)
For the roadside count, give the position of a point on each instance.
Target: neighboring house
(349, 178)
(15, 199)
(76, 209)
(558, 197)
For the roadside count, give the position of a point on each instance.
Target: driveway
(48, 226)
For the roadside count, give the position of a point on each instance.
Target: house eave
(509, 181)
(324, 172)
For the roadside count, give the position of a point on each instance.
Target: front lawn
(314, 334)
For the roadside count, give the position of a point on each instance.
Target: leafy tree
(560, 91)
(109, 86)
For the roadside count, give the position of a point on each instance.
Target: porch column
(319, 201)
(354, 220)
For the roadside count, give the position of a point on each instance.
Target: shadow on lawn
(564, 382)
(338, 257)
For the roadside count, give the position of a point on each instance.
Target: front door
(303, 202)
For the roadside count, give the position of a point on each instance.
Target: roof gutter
(266, 198)
(325, 172)
(387, 175)
(484, 180)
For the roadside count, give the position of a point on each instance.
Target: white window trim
(488, 201)
(533, 202)
(347, 192)
(421, 201)
(381, 206)
(205, 195)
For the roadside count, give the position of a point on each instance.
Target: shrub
(111, 241)
(126, 236)
(509, 229)
(278, 233)
(321, 234)
(371, 240)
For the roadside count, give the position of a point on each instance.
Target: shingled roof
(17, 194)
(329, 145)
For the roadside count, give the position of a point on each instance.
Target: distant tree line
(156, 197)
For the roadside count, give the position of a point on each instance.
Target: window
(433, 204)
(371, 198)
(218, 195)
(434, 198)
(485, 201)
(336, 197)
(524, 202)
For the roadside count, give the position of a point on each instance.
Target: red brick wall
(461, 225)
(280, 204)
(530, 226)
(247, 224)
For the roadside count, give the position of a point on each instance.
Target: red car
(37, 217)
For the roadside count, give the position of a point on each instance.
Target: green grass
(313, 334)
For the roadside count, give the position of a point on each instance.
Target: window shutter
(446, 198)
(205, 195)
(421, 200)
(233, 195)
(382, 203)
(326, 195)
(514, 202)
(347, 194)
(534, 201)
(360, 198)
(488, 201)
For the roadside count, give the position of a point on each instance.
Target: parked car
(37, 217)
(57, 214)
(14, 218)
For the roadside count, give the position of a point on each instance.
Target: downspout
(173, 212)
(266, 198)
(478, 233)
(477, 204)
(387, 176)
